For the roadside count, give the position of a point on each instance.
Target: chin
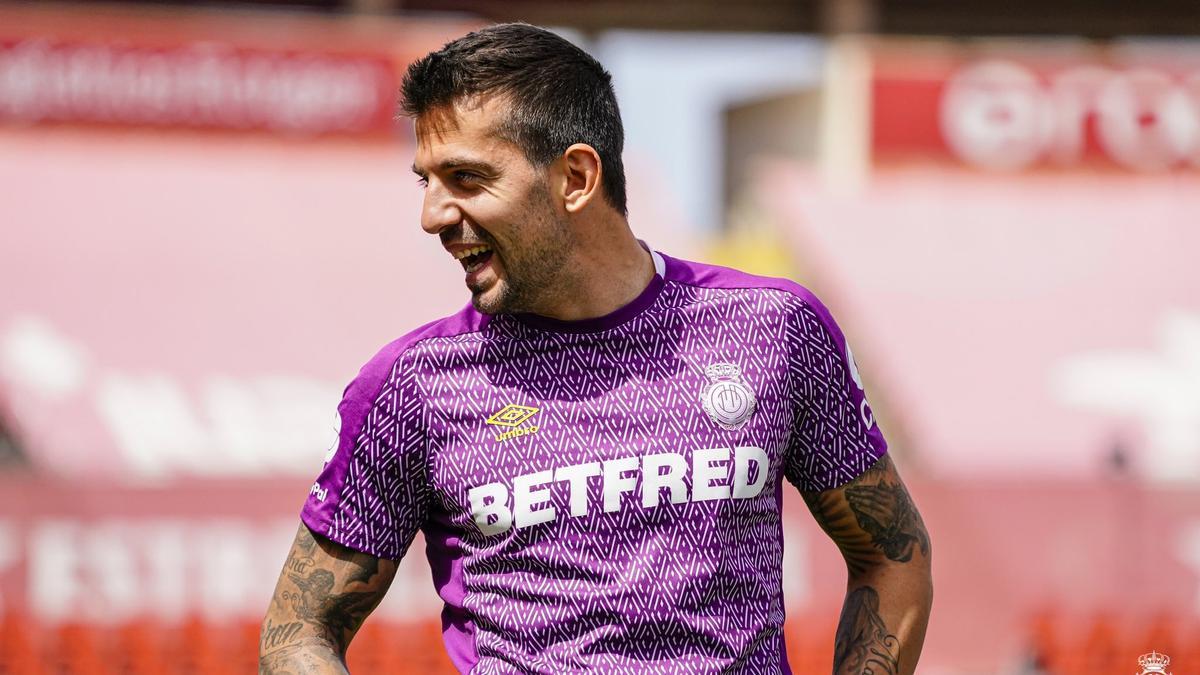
(482, 306)
(490, 301)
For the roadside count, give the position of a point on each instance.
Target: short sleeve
(834, 436)
(372, 493)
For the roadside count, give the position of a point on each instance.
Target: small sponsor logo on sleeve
(864, 409)
(337, 437)
(319, 492)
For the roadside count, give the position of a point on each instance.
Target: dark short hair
(559, 94)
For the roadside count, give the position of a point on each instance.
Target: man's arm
(323, 595)
(889, 593)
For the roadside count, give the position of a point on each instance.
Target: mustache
(463, 235)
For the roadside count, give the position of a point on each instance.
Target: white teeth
(471, 251)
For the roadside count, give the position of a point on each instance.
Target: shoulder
(704, 275)
(382, 367)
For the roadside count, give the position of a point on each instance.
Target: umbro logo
(513, 416)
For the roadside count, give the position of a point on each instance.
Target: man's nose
(439, 210)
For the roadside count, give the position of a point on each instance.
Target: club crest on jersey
(726, 399)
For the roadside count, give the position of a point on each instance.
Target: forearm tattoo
(863, 645)
(873, 516)
(325, 593)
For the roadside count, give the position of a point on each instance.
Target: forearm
(310, 656)
(888, 552)
(323, 596)
(883, 620)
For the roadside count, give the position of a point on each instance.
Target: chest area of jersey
(600, 438)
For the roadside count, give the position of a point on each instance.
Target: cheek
(498, 218)
(516, 219)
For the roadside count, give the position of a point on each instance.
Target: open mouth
(474, 258)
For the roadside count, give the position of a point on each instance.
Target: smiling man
(595, 448)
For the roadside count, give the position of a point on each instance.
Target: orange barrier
(1101, 644)
(1105, 644)
(195, 647)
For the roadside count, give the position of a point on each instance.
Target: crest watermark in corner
(1154, 664)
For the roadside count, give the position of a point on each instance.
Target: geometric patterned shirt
(605, 494)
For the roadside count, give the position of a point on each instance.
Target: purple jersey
(603, 494)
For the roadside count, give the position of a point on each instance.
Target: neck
(607, 270)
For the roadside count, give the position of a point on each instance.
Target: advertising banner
(275, 74)
(196, 85)
(1039, 105)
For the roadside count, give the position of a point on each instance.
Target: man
(595, 447)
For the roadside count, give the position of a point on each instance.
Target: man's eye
(465, 177)
(423, 182)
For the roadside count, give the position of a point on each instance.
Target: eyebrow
(458, 163)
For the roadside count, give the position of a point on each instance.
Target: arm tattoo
(296, 660)
(324, 594)
(863, 645)
(275, 635)
(338, 614)
(873, 515)
(886, 512)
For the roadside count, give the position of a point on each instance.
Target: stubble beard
(534, 263)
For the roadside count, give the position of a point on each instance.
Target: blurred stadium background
(208, 223)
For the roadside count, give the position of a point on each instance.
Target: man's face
(492, 209)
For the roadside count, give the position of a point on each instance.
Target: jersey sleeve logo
(726, 399)
(854, 374)
(864, 409)
(337, 437)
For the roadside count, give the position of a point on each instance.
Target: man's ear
(582, 171)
